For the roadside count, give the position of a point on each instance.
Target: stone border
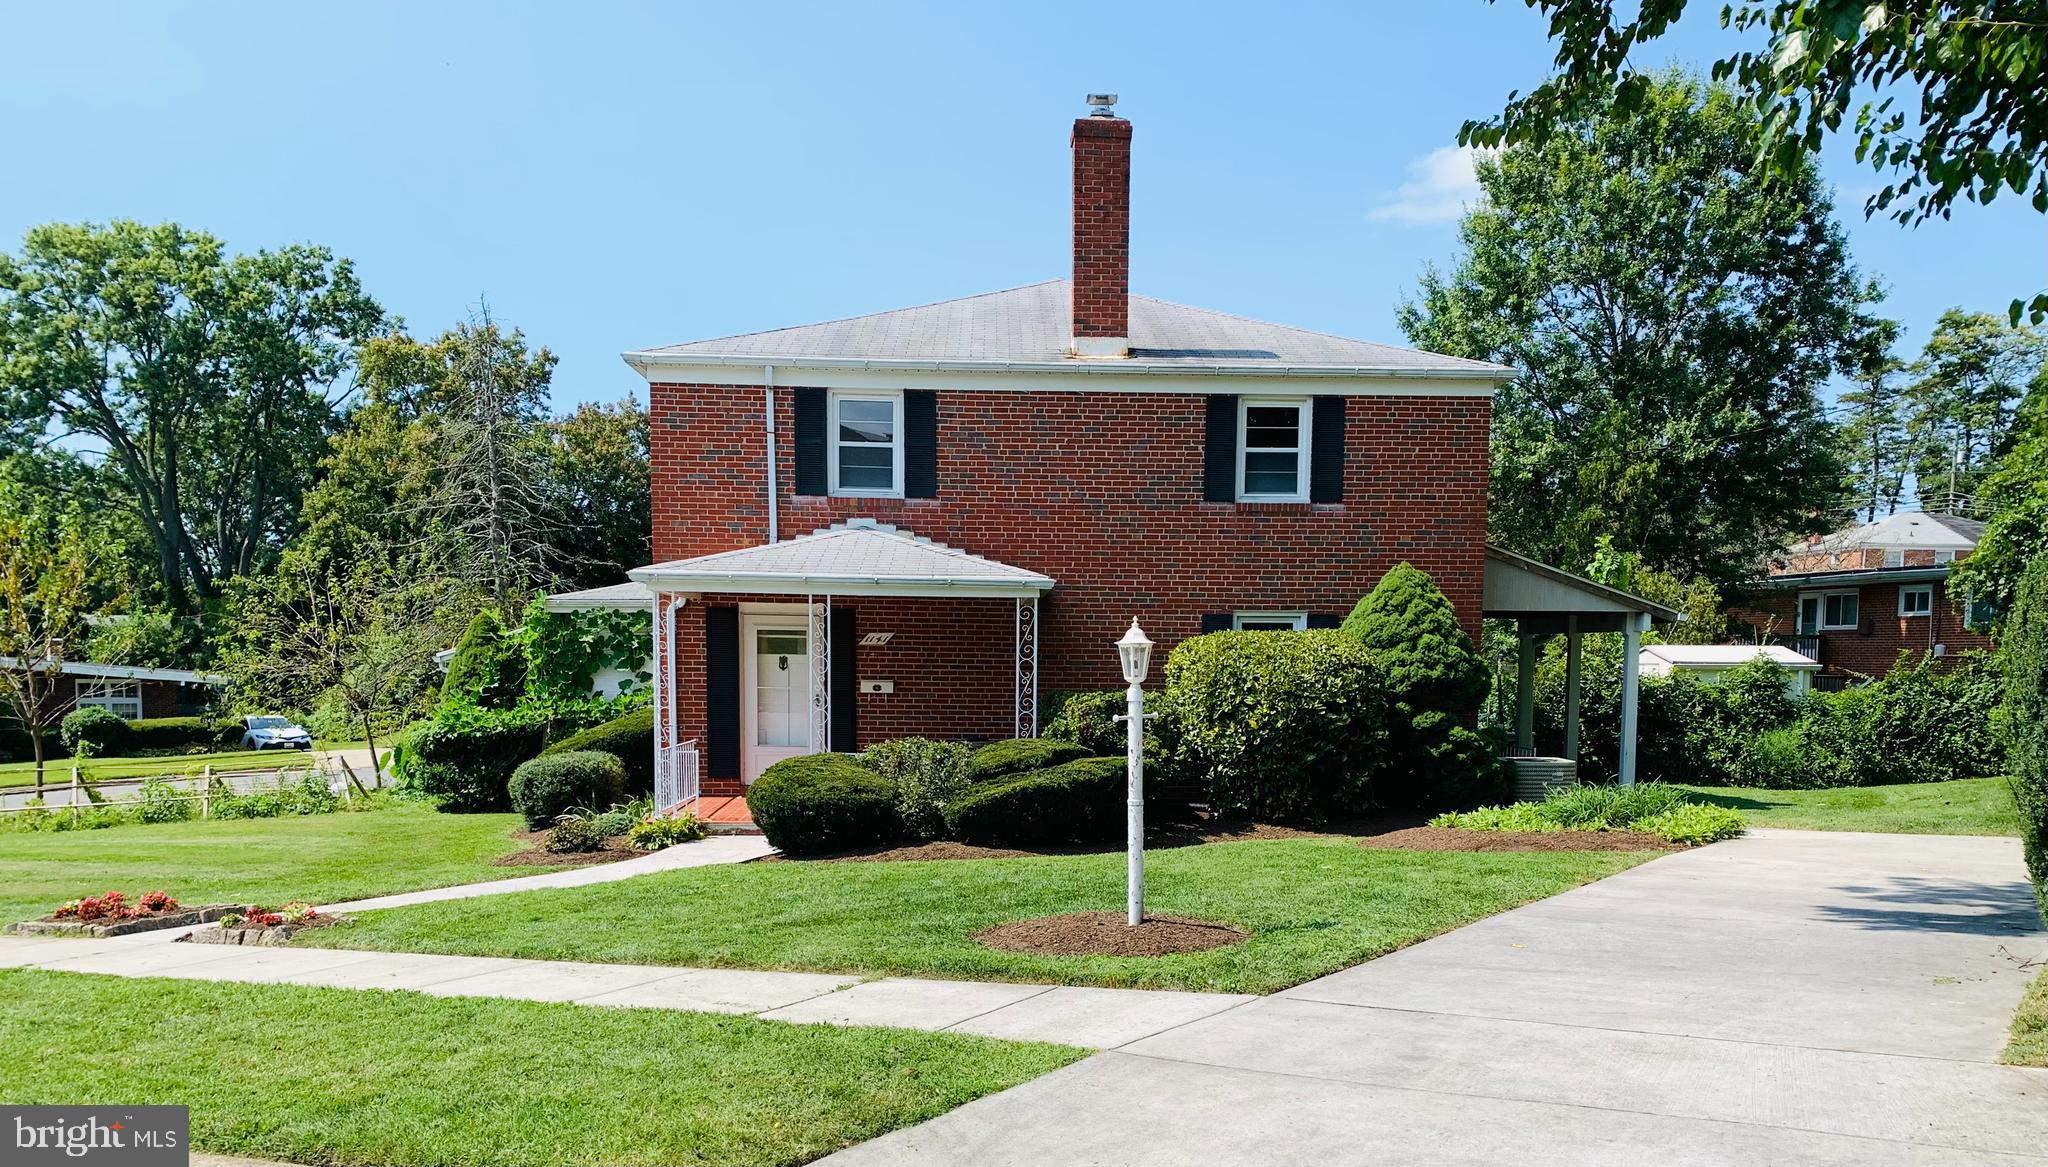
(75, 928)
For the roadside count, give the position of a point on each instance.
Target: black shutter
(1216, 622)
(844, 645)
(722, 691)
(1326, 451)
(1325, 619)
(1219, 449)
(810, 441)
(920, 443)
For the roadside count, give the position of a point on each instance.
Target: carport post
(1525, 694)
(1631, 647)
(1571, 687)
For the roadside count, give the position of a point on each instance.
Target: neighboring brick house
(134, 692)
(1860, 599)
(918, 521)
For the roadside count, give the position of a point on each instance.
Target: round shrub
(104, 730)
(927, 775)
(1082, 801)
(1279, 727)
(465, 756)
(824, 802)
(1089, 718)
(629, 738)
(549, 785)
(1018, 755)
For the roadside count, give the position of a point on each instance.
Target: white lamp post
(1135, 651)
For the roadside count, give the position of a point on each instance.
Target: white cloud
(1440, 186)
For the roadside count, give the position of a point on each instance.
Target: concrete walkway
(1091, 1018)
(1787, 997)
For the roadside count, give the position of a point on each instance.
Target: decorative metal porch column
(819, 609)
(1026, 707)
(664, 697)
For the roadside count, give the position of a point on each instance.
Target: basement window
(1268, 621)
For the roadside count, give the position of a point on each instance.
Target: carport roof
(1545, 599)
(857, 557)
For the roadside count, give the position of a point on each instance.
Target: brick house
(134, 692)
(918, 521)
(1860, 599)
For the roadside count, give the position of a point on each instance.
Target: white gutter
(646, 359)
(768, 395)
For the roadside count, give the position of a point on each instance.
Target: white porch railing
(675, 776)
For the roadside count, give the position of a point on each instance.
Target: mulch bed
(1457, 839)
(1106, 934)
(535, 855)
(910, 853)
(1195, 832)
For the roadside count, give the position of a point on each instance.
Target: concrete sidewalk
(1090, 1018)
(1787, 997)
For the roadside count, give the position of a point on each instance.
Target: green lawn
(57, 771)
(2029, 1044)
(341, 1076)
(1313, 906)
(324, 858)
(1968, 806)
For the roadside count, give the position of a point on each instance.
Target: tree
(2015, 499)
(1698, 600)
(46, 594)
(1674, 315)
(2023, 719)
(1980, 123)
(488, 669)
(207, 381)
(1873, 425)
(1960, 409)
(483, 397)
(597, 473)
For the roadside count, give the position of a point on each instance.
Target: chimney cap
(1102, 105)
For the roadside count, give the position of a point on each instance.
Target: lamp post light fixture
(1135, 653)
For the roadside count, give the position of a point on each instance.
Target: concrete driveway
(1784, 998)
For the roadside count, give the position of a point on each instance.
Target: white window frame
(1926, 590)
(1895, 557)
(1301, 450)
(114, 696)
(895, 403)
(1823, 625)
(1942, 558)
(1298, 621)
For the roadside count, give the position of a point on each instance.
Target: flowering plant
(158, 901)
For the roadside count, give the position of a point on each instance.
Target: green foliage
(181, 735)
(565, 650)
(927, 775)
(653, 834)
(2023, 719)
(824, 802)
(1692, 824)
(1652, 808)
(597, 473)
(1676, 313)
(1015, 756)
(1279, 727)
(1082, 801)
(1087, 717)
(1960, 408)
(1520, 816)
(543, 788)
(488, 669)
(574, 834)
(465, 756)
(160, 802)
(628, 737)
(1925, 721)
(105, 731)
(2015, 497)
(1965, 68)
(148, 638)
(306, 794)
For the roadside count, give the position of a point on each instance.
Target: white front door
(775, 691)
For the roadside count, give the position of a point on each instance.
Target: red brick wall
(1102, 227)
(1881, 637)
(159, 699)
(1103, 492)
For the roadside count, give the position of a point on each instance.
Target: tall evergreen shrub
(2024, 718)
(488, 669)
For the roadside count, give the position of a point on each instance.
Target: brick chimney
(1102, 232)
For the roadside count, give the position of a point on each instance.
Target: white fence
(69, 789)
(675, 776)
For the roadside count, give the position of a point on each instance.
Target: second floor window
(1272, 450)
(867, 445)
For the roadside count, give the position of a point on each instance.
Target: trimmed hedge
(1280, 727)
(1081, 801)
(1018, 755)
(465, 757)
(545, 787)
(630, 739)
(103, 729)
(184, 733)
(824, 802)
(2023, 720)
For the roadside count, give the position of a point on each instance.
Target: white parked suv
(262, 732)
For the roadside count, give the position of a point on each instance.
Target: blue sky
(613, 176)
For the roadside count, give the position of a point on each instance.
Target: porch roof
(1542, 598)
(857, 557)
(628, 596)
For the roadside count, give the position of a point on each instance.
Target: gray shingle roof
(859, 554)
(1030, 326)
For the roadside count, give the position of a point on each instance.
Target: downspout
(768, 403)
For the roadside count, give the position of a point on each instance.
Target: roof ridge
(862, 316)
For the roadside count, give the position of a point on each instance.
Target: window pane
(1272, 427)
(1271, 473)
(1842, 611)
(867, 468)
(1267, 624)
(867, 421)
